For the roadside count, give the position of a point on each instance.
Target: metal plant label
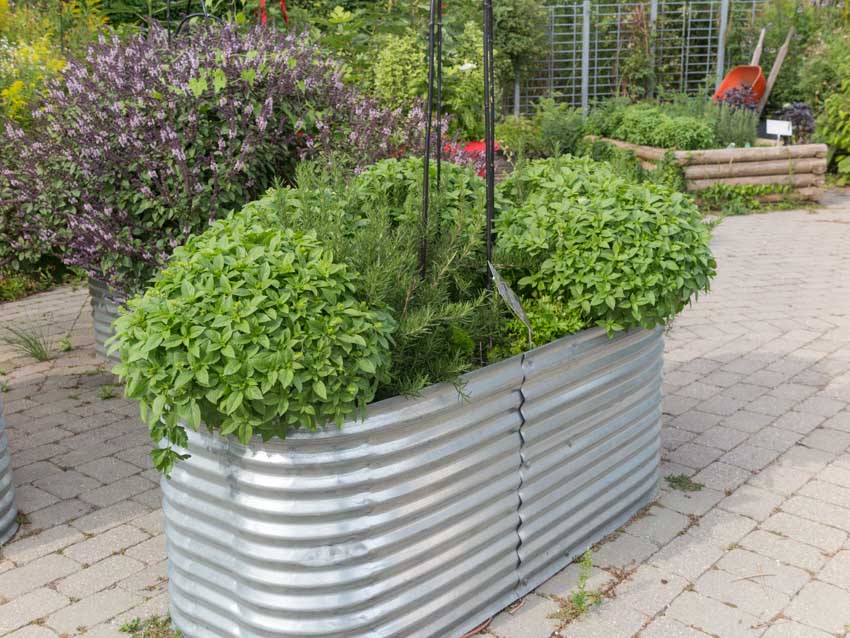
(506, 293)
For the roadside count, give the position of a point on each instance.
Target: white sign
(779, 127)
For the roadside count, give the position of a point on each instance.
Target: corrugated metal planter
(8, 512)
(427, 517)
(104, 310)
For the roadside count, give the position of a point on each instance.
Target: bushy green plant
(606, 116)
(561, 127)
(250, 329)
(400, 73)
(684, 133)
(736, 126)
(464, 84)
(834, 129)
(615, 253)
(825, 67)
(639, 124)
(372, 224)
(518, 137)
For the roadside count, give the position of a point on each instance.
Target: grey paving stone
(658, 524)
(747, 421)
(109, 469)
(722, 405)
(695, 421)
(822, 606)
(822, 405)
(818, 511)
(105, 544)
(649, 589)
(784, 628)
(754, 502)
(67, 484)
(35, 574)
(721, 529)
(784, 549)
(99, 576)
(713, 617)
(768, 572)
(607, 621)
(118, 491)
(721, 437)
(827, 440)
(109, 517)
(750, 457)
(770, 405)
(38, 545)
(532, 620)
(32, 631)
(827, 539)
(91, 611)
(31, 499)
(840, 421)
(774, 438)
(664, 627)
(749, 596)
(806, 459)
(624, 551)
(800, 422)
(837, 570)
(686, 556)
(150, 551)
(696, 503)
(153, 580)
(29, 607)
(58, 513)
(827, 492)
(722, 476)
(695, 456)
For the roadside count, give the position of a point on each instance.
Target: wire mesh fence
(600, 49)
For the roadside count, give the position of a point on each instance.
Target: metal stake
(429, 116)
(489, 127)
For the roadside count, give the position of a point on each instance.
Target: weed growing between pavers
(582, 600)
(683, 483)
(153, 627)
(107, 391)
(33, 344)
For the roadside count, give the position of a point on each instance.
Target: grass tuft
(153, 627)
(33, 344)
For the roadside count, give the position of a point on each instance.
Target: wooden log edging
(802, 166)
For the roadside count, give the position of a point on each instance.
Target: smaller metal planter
(428, 517)
(104, 310)
(8, 512)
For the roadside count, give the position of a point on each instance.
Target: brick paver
(757, 387)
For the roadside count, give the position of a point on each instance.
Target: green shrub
(561, 127)
(639, 124)
(519, 137)
(736, 126)
(834, 129)
(614, 253)
(684, 133)
(605, 117)
(250, 329)
(464, 84)
(400, 74)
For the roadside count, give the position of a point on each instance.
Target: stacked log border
(802, 166)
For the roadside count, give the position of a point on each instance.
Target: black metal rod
(426, 160)
(439, 90)
(489, 128)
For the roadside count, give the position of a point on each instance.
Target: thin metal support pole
(426, 172)
(516, 93)
(439, 90)
(721, 40)
(653, 37)
(585, 57)
(489, 131)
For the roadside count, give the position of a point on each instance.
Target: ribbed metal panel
(428, 517)
(8, 512)
(400, 525)
(104, 310)
(591, 441)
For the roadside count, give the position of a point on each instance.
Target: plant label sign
(510, 298)
(779, 128)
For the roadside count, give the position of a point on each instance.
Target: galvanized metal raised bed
(8, 512)
(104, 310)
(429, 516)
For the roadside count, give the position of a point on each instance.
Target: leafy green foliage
(615, 253)
(649, 125)
(735, 126)
(250, 329)
(550, 320)
(555, 129)
(605, 117)
(400, 73)
(464, 84)
(834, 128)
(519, 32)
(580, 601)
(153, 627)
(372, 224)
(747, 198)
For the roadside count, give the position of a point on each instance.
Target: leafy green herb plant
(683, 483)
(250, 329)
(614, 253)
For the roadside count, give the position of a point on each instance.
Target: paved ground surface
(756, 410)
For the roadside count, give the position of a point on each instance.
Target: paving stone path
(757, 387)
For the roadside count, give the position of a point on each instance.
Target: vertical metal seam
(519, 580)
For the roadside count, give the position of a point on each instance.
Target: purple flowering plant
(147, 141)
